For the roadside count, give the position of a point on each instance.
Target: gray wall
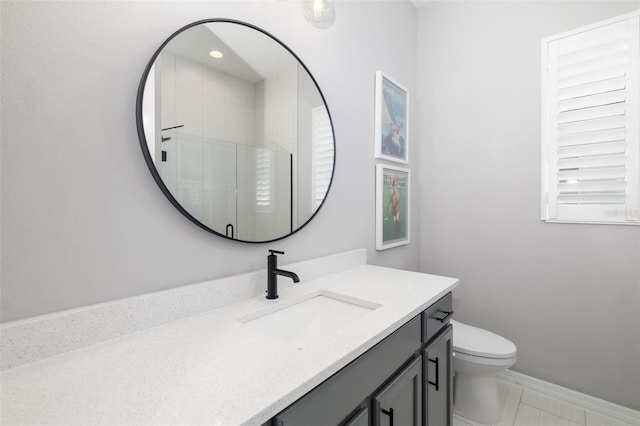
(82, 219)
(567, 295)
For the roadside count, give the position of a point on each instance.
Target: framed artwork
(392, 206)
(391, 120)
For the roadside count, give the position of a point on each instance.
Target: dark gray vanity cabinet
(390, 383)
(340, 399)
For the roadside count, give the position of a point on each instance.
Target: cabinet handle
(388, 413)
(437, 382)
(447, 315)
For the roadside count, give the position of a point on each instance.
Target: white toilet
(477, 356)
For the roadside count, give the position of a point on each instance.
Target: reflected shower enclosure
(243, 190)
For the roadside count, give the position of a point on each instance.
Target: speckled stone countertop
(211, 368)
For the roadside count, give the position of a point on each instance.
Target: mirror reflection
(236, 131)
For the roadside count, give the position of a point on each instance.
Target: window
(590, 123)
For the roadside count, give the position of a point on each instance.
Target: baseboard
(609, 409)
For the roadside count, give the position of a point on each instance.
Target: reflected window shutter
(322, 164)
(263, 179)
(591, 94)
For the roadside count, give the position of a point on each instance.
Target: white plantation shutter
(263, 179)
(591, 123)
(322, 164)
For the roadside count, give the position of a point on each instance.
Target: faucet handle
(276, 252)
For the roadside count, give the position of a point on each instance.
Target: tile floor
(524, 407)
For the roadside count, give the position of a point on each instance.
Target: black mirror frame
(147, 155)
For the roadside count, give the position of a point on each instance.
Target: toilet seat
(476, 341)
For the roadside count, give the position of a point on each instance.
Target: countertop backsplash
(36, 338)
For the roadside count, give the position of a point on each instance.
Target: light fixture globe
(319, 13)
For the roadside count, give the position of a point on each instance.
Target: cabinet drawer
(339, 395)
(436, 317)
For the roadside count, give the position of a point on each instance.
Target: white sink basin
(306, 319)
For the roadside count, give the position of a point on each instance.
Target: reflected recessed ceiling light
(215, 54)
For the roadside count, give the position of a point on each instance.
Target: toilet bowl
(477, 356)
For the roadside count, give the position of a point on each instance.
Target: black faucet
(273, 272)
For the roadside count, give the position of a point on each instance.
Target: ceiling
(248, 54)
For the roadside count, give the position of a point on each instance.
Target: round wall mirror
(236, 131)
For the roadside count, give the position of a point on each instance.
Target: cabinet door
(399, 403)
(361, 418)
(437, 358)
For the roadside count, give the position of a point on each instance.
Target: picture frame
(391, 120)
(393, 206)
